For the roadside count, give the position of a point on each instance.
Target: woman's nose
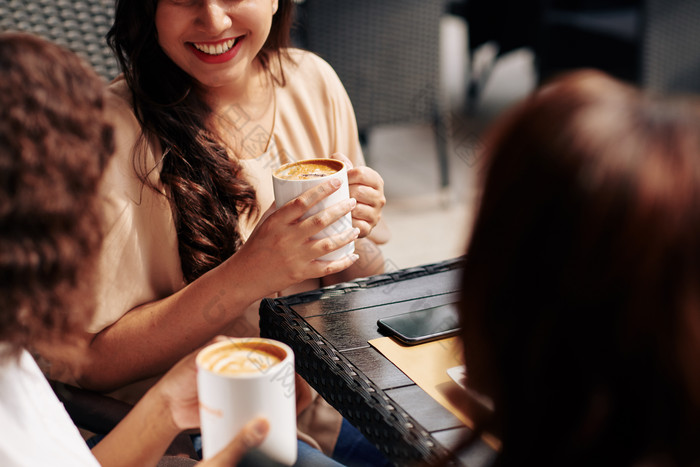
(213, 17)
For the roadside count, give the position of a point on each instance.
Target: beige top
(140, 261)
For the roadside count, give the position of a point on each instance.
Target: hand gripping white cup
(293, 179)
(243, 378)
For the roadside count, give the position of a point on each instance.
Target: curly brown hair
(54, 144)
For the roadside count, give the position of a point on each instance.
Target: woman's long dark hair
(583, 274)
(205, 186)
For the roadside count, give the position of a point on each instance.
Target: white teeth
(215, 49)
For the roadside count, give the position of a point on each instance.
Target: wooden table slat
(426, 410)
(412, 289)
(380, 370)
(353, 328)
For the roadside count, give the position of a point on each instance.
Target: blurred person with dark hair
(54, 145)
(581, 287)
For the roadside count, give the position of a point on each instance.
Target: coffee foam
(241, 358)
(309, 169)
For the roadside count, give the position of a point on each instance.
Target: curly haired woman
(54, 144)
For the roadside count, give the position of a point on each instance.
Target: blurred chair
(387, 54)
(602, 34)
(563, 35)
(494, 28)
(79, 25)
(652, 43)
(671, 49)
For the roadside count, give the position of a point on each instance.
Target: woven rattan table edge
(398, 435)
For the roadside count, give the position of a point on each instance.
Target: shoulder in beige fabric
(139, 260)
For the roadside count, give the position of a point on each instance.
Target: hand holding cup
(282, 251)
(367, 187)
(295, 178)
(240, 379)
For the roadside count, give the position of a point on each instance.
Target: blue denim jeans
(353, 450)
(307, 456)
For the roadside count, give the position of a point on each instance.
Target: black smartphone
(417, 327)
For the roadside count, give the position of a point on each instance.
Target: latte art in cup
(239, 379)
(238, 358)
(304, 170)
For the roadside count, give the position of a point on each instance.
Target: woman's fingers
(291, 227)
(366, 212)
(365, 176)
(324, 268)
(333, 242)
(250, 436)
(363, 226)
(297, 207)
(338, 233)
(369, 195)
(367, 186)
(322, 219)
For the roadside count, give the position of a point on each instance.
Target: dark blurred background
(427, 77)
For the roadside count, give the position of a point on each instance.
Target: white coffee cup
(289, 184)
(243, 378)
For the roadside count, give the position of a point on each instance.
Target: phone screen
(416, 327)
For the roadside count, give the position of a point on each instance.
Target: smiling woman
(212, 101)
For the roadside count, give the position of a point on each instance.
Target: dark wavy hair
(54, 144)
(581, 286)
(205, 186)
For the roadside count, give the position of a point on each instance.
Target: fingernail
(336, 182)
(353, 203)
(260, 428)
(356, 232)
(354, 257)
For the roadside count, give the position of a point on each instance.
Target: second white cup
(243, 378)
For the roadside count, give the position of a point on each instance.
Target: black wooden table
(328, 330)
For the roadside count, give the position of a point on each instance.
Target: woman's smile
(218, 51)
(215, 42)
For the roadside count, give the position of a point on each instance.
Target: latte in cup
(239, 379)
(241, 357)
(309, 169)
